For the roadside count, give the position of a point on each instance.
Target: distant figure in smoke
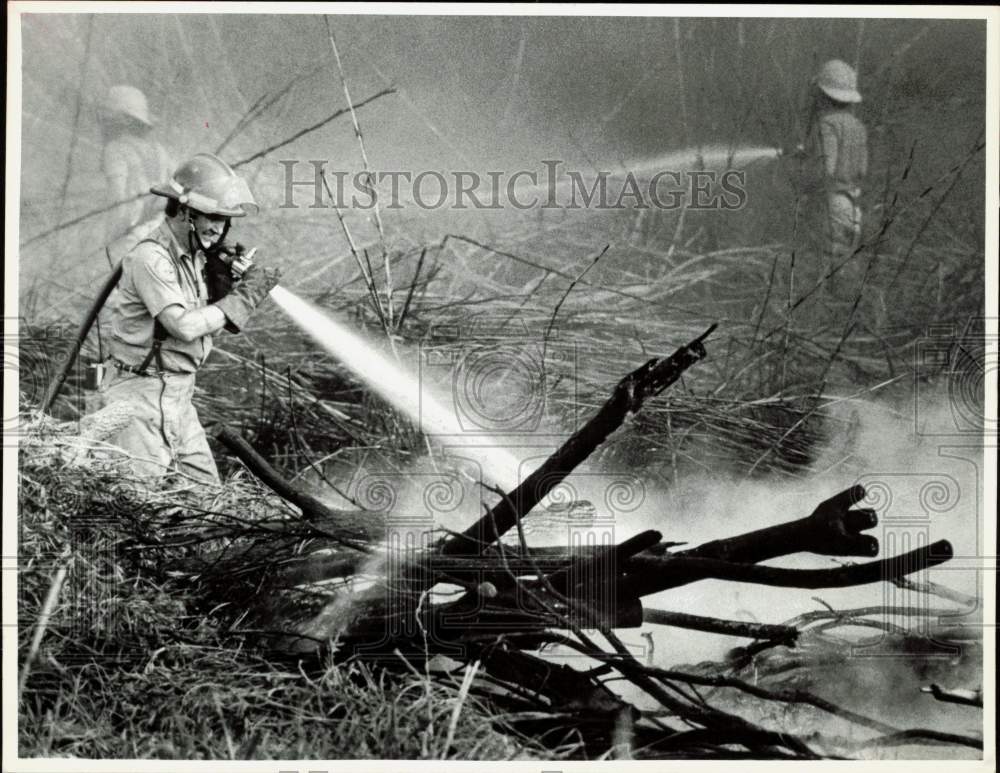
(838, 143)
(132, 161)
(171, 302)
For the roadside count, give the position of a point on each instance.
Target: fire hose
(55, 386)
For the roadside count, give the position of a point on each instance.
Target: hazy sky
(480, 91)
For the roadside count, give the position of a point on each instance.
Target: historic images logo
(311, 184)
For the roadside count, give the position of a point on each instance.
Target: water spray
(685, 159)
(712, 156)
(393, 382)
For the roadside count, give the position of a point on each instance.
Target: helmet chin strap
(194, 241)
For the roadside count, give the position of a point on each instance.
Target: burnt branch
(627, 398)
(652, 574)
(351, 528)
(833, 529)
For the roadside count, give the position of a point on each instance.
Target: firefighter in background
(132, 161)
(838, 146)
(180, 286)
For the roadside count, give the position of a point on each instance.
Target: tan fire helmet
(208, 184)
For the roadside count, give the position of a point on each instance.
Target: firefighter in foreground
(173, 297)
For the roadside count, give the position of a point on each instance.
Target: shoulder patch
(163, 268)
(154, 257)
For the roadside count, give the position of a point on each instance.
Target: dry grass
(135, 661)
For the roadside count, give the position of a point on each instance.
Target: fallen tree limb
(652, 574)
(833, 529)
(601, 568)
(628, 397)
(353, 529)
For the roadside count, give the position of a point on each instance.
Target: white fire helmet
(839, 81)
(130, 101)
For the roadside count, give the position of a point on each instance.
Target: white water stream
(395, 382)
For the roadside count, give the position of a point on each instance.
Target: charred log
(628, 397)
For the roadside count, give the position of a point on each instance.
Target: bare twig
(263, 103)
(963, 697)
(309, 129)
(410, 292)
(364, 157)
(714, 625)
(76, 114)
(784, 696)
(936, 589)
(565, 295)
(49, 605)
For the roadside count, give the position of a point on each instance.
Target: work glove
(218, 276)
(224, 267)
(258, 281)
(239, 304)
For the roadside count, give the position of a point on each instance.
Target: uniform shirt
(131, 165)
(154, 276)
(841, 143)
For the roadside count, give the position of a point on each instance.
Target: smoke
(922, 482)
(922, 473)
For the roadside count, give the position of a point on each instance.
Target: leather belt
(138, 370)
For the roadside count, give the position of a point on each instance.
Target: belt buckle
(133, 369)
